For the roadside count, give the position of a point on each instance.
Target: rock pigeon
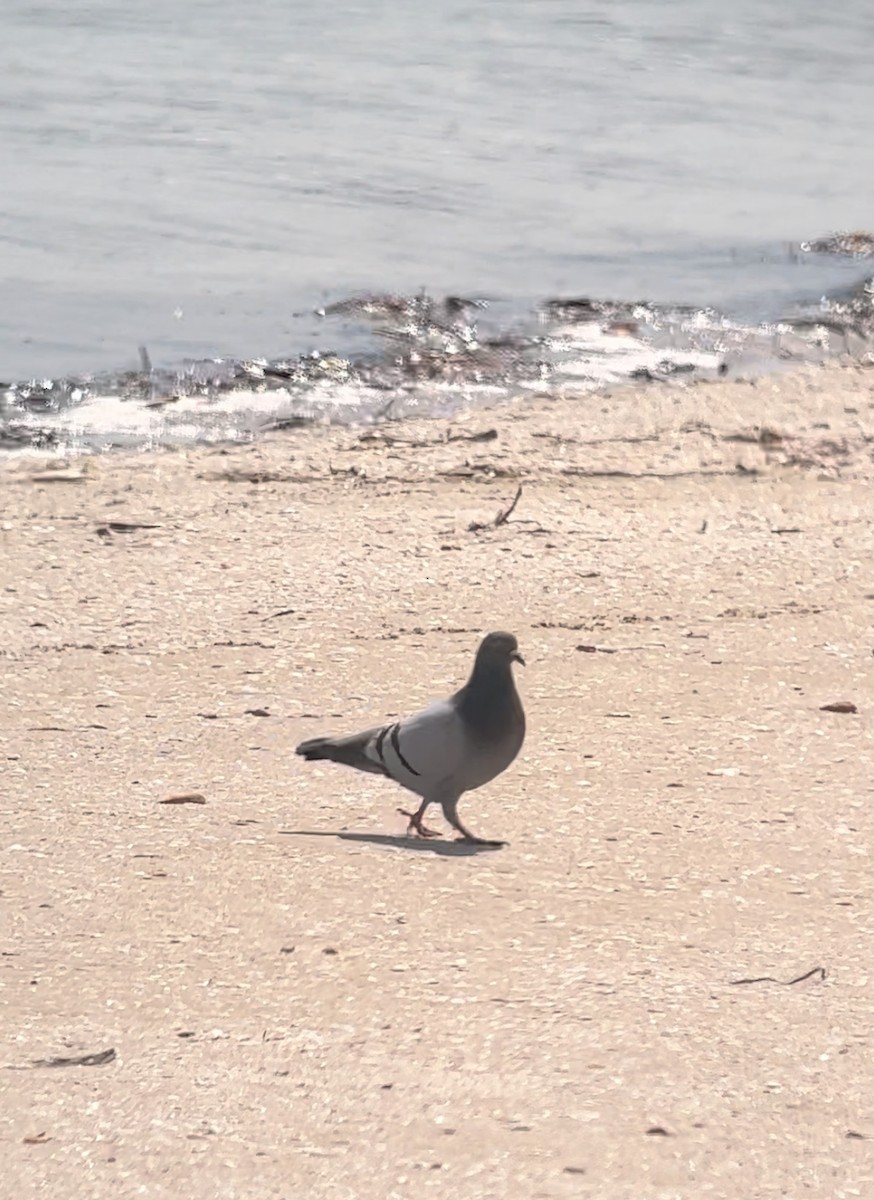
(450, 747)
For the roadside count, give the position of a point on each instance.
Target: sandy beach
(303, 1002)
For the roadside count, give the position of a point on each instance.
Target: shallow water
(191, 176)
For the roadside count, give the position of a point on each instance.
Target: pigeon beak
(517, 657)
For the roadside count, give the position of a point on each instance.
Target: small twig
(501, 518)
(504, 515)
(820, 971)
(81, 1060)
(125, 526)
(282, 423)
(484, 435)
(386, 439)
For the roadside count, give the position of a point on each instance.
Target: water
(191, 175)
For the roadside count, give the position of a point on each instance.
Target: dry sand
(304, 1003)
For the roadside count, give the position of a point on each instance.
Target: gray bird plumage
(450, 747)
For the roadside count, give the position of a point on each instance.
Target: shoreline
(301, 998)
(426, 354)
(684, 422)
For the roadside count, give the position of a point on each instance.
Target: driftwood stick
(501, 517)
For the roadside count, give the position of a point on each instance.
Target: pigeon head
(498, 649)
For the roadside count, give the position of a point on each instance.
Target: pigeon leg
(450, 812)
(415, 819)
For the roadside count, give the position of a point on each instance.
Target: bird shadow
(428, 845)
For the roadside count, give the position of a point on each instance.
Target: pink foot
(416, 826)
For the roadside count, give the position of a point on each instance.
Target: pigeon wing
(425, 752)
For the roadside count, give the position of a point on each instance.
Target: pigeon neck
(488, 697)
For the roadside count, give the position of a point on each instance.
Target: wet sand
(303, 1002)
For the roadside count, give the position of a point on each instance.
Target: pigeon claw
(416, 826)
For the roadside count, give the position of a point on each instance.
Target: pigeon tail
(315, 748)
(348, 751)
